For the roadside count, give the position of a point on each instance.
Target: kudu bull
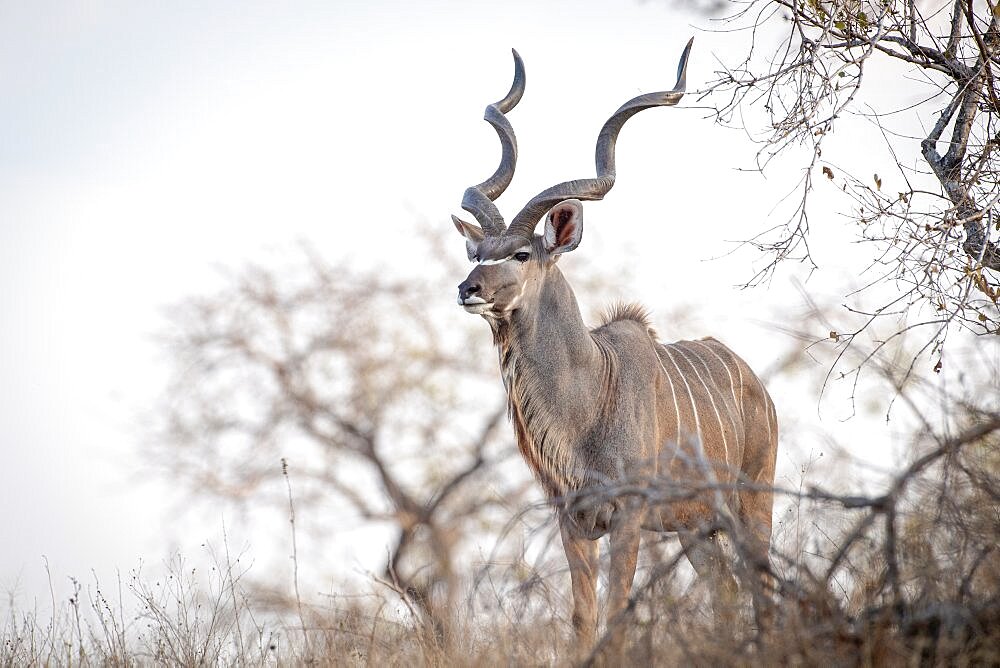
(596, 408)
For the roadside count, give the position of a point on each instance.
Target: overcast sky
(145, 145)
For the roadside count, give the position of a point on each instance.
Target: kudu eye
(522, 257)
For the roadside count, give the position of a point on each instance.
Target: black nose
(467, 289)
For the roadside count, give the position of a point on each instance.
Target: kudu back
(623, 432)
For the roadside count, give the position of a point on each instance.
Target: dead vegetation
(911, 576)
(903, 572)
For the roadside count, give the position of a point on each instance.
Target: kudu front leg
(625, 538)
(582, 555)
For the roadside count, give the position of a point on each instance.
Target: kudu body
(598, 408)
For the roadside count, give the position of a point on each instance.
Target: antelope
(592, 408)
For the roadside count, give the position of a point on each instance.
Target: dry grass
(845, 588)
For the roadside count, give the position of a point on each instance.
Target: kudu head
(513, 263)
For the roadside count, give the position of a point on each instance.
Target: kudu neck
(549, 327)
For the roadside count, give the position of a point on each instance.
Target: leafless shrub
(932, 243)
(184, 616)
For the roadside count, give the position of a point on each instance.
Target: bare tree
(934, 256)
(372, 390)
(372, 412)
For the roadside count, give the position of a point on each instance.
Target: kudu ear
(564, 226)
(473, 235)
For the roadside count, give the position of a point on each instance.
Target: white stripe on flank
(702, 459)
(677, 408)
(694, 409)
(732, 385)
(722, 428)
(732, 418)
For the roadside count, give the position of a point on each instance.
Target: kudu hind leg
(756, 507)
(582, 555)
(712, 567)
(755, 517)
(757, 480)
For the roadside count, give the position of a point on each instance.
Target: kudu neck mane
(546, 354)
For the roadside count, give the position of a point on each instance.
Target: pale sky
(145, 145)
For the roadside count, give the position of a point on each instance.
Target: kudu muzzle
(469, 291)
(471, 294)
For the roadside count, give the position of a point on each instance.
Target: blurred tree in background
(379, 407)
(380, 394)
